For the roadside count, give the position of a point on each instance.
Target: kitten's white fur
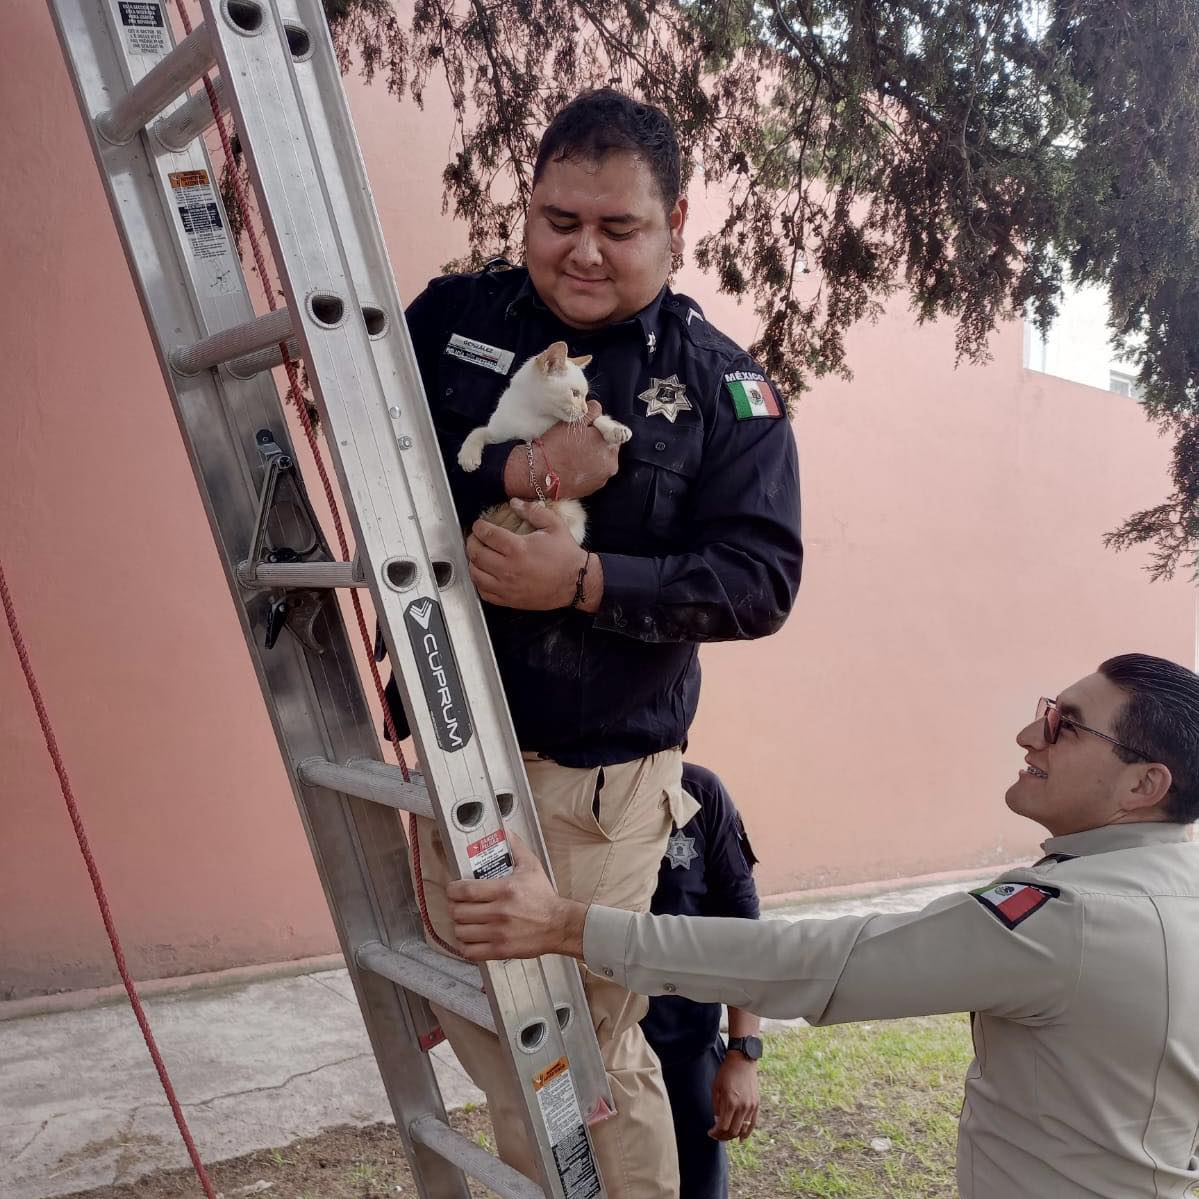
(548, 388)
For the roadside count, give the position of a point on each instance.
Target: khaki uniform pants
(612, 859)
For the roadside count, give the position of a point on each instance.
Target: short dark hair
(1161, 719)
(601, 122)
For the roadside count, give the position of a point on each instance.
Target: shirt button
(449, 391)
(606, 971)
(659, 446)
(669, 988)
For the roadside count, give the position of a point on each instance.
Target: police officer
(1081, 972)
(713, 1090)
(693, 536)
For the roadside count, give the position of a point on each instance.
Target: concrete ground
(255, 1063)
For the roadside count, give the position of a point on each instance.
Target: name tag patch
(479, 353)
(1012, 903)
(752, 396)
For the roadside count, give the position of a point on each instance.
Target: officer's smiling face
(598, 240)
(1079, 782)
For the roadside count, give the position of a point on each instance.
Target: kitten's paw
(470, 456)
(614, 432)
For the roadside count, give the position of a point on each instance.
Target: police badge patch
(680, 851)
(1012, 903)
(666, 397)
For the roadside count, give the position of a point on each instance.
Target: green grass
(827, 1093)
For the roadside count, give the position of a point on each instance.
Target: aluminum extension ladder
(278, 77)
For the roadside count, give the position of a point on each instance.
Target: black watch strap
(751, 1047)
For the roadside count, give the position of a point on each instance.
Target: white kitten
(548, 388)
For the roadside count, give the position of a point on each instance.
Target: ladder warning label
(199, 213)
(438, 670)
(564, 1127)
(489, 856)
(144, 27)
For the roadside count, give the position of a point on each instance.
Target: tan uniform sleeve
(955, 955)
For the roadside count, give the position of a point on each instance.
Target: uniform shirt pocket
(662, 465)
(466, 395)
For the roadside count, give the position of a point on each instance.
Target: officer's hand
(517, 916)
(583, 459)
(536, 572)
(735, 1099)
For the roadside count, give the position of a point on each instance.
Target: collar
(645, 322)
(1118, 836)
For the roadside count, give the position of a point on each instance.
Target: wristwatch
(751, 1047)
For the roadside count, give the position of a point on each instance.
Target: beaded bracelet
(580, 582)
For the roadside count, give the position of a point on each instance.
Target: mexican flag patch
(752, 395)
(1012, 903)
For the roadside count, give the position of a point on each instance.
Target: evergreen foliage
(975, 153)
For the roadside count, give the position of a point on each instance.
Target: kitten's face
(563, 384)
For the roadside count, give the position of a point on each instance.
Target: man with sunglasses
(1081, 972)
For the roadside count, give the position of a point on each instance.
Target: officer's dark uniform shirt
(698, 532)
(707, 871)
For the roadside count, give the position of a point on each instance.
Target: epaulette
(696, 327)
(1054, 858)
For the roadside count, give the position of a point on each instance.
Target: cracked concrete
(255, 1065)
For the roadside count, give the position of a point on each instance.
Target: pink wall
(954, 571)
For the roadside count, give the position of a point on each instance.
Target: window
(1124, 385)
(1077, 346)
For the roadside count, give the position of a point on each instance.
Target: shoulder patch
(747, 850)
(752, 395)
(1012, 903)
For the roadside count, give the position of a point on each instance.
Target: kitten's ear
(553, 360)
(582, 362)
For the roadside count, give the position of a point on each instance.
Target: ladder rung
(472, 1159)
(306, 575)
(157, 88)
(250, 365)
(413, 970)
(232, 343)
(465, 972)
(177, 130)
(365, 779)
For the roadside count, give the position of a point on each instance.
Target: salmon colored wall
(954, 572)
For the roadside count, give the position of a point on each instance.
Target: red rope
(97, 886)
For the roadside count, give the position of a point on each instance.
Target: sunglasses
(1047, 711)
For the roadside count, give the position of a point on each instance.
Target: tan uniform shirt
(1082, 974)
